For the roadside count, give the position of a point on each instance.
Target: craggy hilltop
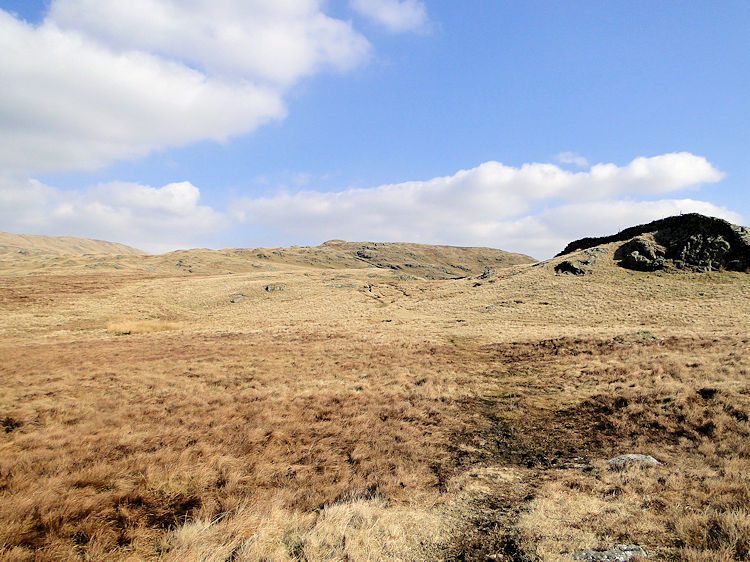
(363, 401)
(686, 241)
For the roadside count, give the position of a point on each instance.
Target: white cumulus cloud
(535, 208)
(395, 15)
(492, 204)
(263, 40)
(154, 219)
(103, 80)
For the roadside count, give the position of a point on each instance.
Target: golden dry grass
(355, 416)
(127, 327)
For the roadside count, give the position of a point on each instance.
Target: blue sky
(517, 125)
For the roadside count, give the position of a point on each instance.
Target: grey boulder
(632, 459)
(618, 553)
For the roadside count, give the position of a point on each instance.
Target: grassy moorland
(360, 414)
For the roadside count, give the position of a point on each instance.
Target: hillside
(326, 403)
(399, 260)
(428, 261)
(62, 245)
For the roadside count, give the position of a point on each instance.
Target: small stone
(271, 287)
(618, 553)
(623, 460)
(237, 298)
(708, 393)
(487, 273)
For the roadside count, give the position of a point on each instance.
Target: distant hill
(62, 245)
(403, 260)
(397, 260)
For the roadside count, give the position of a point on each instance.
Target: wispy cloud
(572, 158)
(395, 15)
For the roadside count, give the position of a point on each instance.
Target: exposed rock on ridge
(580, 266)
(685, 241)
(423, 260)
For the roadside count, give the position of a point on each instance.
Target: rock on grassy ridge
(428, 261)
(691, 241)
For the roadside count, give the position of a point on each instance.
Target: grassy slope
(357, 416)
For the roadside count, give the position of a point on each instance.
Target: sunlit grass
(142, 327)
(380, 419)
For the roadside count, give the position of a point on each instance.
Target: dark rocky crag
(580, 266)
(690, 241)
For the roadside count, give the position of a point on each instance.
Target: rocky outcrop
(642, 255)
(581, 265)
(574, 267)
(690, 241)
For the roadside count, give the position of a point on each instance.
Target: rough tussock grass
(356, 529)
(693, 417)
(115, 459)
(400, 421)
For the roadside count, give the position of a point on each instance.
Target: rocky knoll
(691, 241)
